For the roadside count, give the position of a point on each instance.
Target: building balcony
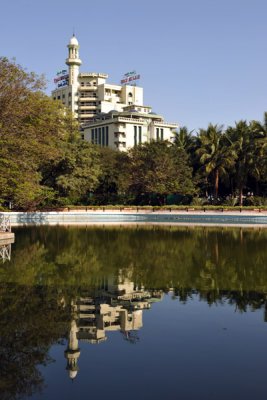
(93, 75)
(87, 88)
(87, 107)
(82, 99)
(86, 116)
(160, 124)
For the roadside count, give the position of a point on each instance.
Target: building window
(140, 134)
(93, 136)
(157, 133)
(107, 136)
(63, 96)
(161, 134)
(58, 97)
(69, 94)
(135, 135)
(99, 136)
(96, 139)
(103, 136)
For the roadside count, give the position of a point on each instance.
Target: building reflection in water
(117, 305)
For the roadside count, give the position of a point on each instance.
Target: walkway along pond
(103, 217)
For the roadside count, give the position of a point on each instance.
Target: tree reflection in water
(31, 320)
(78, 283)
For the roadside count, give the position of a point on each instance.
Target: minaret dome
(74, 41)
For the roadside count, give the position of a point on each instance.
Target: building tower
(73, 61)
(73, 352)
(109, 115)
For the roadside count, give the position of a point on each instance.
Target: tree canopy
(45, 163)
(37, 132)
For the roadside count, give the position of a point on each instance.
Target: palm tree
(184, 139)
(216, 154)
(250, 142)
(260, 152)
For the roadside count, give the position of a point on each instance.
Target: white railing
(5, 225)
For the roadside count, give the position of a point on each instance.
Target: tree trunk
(241, 195)
(216, 184)
(257, 188)
(232, 187)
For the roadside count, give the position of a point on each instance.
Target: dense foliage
(44, 163)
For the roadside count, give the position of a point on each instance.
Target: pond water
(145, 312)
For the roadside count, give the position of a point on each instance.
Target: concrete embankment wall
(115, 217)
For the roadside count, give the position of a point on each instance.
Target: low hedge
(170, 208)
(123, 207)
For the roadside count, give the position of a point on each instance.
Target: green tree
(260, 157)
(215, 154)
(32, 126)
(159, 168)
(114, 178)
(249, 141)
(75, 172)
(185, 140)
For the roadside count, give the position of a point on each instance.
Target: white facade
(109, 115)
(124, 130)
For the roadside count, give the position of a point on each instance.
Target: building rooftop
(93, 75)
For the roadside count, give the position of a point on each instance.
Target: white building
(109, 115)
(123, 130)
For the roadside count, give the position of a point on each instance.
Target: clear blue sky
(200, 61)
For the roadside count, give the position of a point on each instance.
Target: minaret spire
(72, 353)
(73, 60)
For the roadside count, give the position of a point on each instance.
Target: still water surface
(134, 313)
